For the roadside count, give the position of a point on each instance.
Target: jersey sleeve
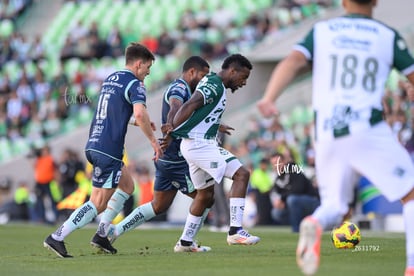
(305, 46)
(403, 60)
(208, 91)
(137, 93)
(177, 92)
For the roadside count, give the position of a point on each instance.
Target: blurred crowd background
(49, 82)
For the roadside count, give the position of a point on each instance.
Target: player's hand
(225, 129)
(166, 128)
(153, 127)
(409, 89)
(267, 108)
(165, 142)
(158, 152)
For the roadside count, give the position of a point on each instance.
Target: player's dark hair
(136, 51)
(196, 62)
(237, 61)
(362, 2)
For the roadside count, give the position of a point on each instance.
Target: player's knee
(158, 207)
(206, 196)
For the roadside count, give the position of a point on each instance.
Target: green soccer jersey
(351, 57)
(205, 121)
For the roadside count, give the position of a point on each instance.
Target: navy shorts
(172, 176)
(106, 170)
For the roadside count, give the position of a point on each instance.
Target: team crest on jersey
(97, 171)
(401, 44)
(398, 171)
(213, 165)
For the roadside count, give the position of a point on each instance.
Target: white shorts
(208, 162)
(375, 154)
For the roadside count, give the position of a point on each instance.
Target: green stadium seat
(69, 124)
(84, 116)
(6, 28)
(5, 149)
(20, 146)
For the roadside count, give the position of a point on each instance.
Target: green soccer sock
(79, 218)
(137, 217)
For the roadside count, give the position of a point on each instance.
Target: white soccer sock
(203, 218)
(79, 218)
(114, 207)
(137, 217)
(191, 227)
(236, 211)
(327, 217)
(408, 213)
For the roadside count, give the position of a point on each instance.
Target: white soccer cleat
(309, 246)
(111, 234)
(242, 237)
(194, 247)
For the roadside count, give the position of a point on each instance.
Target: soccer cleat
(56, 246)
(103, 243)
(309, 246)
(111, 234)
(242, 237)
(194, 247)
(409, 271)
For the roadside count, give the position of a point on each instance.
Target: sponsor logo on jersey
(345, 42)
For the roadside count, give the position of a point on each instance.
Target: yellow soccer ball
(347, 235)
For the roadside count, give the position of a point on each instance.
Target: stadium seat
(6, 28)
(20, 146)
(5, 149)
(69, 125)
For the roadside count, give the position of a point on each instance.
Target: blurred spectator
(68, 166)
(295, 197)
(115, 44)
(37, 50)
(20, 208)
(262, 183)
(166, 44)
(44, 174)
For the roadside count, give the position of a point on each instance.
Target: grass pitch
(150, 252)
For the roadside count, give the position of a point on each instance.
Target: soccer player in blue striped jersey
(122, 100)
(351, 57)
(171, 171)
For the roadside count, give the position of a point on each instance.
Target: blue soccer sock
(137, 217)
(114, 207)
(79, 218)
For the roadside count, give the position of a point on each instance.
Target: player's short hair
(196, 62)
(237, 61)
(136, 51)
(362, 2)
